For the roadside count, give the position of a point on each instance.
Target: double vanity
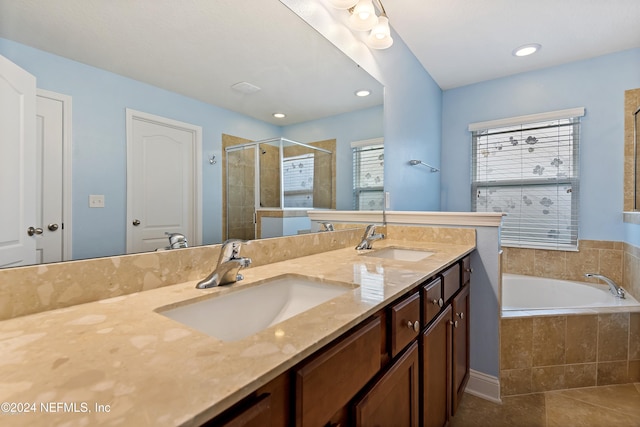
(343, 336)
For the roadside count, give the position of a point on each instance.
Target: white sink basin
(236, 315)
(400, 254)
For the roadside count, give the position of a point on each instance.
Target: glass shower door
(241, 192)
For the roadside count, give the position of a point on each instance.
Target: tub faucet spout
(368, 237)
(613, 286)
(229, 263)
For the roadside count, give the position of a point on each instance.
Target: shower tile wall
(617, 260)
(631, 102)
(561, 352)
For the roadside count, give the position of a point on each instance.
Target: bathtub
(530, 296)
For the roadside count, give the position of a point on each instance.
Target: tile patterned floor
(617, 406)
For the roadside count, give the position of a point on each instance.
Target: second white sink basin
(400, 254)
(236, 315)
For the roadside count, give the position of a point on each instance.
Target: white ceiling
(460, 42)
(200, 48)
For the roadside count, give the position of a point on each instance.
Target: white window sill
(631, 217)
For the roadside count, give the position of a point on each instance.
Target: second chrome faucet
(368, 237)
(229, 263)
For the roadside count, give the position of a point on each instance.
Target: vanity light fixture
(279, 115)
(526, 50)
(363, 18)
(363, 92)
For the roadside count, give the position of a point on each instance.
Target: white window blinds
(368, 175)
(530, 172)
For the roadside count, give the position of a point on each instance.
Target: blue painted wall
(597, 84)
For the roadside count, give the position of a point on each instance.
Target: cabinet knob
(455, 324)
(460, 315)
(414, 325)
(439, 302)
(469, 270)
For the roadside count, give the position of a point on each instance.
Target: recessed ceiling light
(363, 92)
(527, 49)
(279, 115)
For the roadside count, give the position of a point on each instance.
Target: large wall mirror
(179, 60)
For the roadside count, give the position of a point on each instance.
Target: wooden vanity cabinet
(393, 398)
(460, 343)
(435, 366)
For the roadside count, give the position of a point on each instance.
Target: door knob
(52, 227)
(32, 230)
(136, 222)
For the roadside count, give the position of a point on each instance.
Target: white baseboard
(484, 386)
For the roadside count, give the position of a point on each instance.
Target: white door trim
(197, 168)
(67, 139)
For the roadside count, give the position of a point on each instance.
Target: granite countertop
(119, 362)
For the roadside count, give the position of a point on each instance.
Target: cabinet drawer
(432, 301)
(466, 270)
(405, 322)
(451, 281)
(328, 381)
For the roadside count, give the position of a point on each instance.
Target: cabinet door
(393, 399)
(327, 382)
(436, 368)
(460, 362)
(258, 414)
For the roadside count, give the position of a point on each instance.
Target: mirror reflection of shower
(271, 184)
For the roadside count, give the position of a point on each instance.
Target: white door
(163, 181)
(17, 165)
(49, 191)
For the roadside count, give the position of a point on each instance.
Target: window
(298, 181)
(368, 174)
(527, 167)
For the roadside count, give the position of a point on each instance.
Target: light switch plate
(96, 201)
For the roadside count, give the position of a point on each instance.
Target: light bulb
(363, 17)
(380, 36)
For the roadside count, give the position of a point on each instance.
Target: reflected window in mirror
(631, 148)
(368, 174)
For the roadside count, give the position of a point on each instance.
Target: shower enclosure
(271, 184)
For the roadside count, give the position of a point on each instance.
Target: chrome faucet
(369, 237)
(176, 240)
(226, 271)
(327, 226)
(613, 286)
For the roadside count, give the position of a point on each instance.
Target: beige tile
(550, 264)
(562, 411)
(519, 261)
(581, 375)
(547, 378)
(613, 336)
(634, 336)
(582, 338)
(549, 340)
(620, 398)
(611, 264)
(516, 339)
(634, 370)
(521, 411)
(596, 244)
(613, 373)
(515, 381)
(579, 263)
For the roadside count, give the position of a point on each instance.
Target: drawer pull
(439, 302)
(455, 324)
(414, 325)
(469, 270)
(460, 315)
